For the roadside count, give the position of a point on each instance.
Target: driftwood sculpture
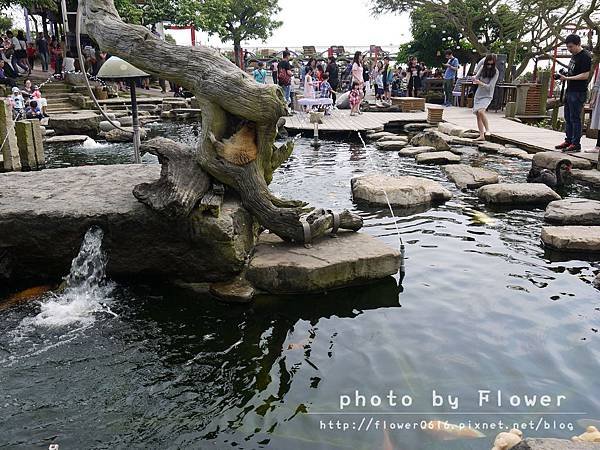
(239, 127)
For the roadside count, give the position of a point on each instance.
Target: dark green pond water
(482, 307)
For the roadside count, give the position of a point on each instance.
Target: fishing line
(387, 199)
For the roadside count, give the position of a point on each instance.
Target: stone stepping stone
(391, 145)
(587, 176)
(437, 158)
(238, 290)
(464, 141)
(431, 138)
(469, 177)
(549, 160)
(574, 211)
(352, 258)
(413, 151)
(583, 238)
(416, 127)
(380, 134)
(490, 147)
(396, 138)
(405, 191)
(79, 122)
(105, 125)
(68, 139)
(515, 153)
(517, 194)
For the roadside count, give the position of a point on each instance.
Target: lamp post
(117, 69)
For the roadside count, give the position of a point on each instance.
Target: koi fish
(446, 431)
(24, 296)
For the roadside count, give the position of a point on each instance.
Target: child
(17, 102)
(260, 74)
(33, 111)
(355, 96)
(326, 90)
(42, 102)
(31, 52)
(309, 90)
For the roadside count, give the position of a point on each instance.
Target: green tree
(5, 23)
(232, 20)
(524, 29)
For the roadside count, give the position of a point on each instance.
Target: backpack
(284, 77)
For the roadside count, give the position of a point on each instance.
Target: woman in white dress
(595, 103)
(485, 79)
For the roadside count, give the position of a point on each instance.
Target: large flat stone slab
(44, 216)
(572, 238)
(413, 151)
(517, 194)
(82, 122)
(406, 191)
(574, 211)
(349, 259)
(469, 177)
(587, 176)
(555, 444)
(549, 160)
(68, 139)
(490, 147)
(391, 145)
(437, 158)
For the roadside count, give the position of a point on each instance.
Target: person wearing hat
(17, 102)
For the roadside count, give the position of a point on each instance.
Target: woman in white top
(595, 103)
(309, 85)
(357, 74)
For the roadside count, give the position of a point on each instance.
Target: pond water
(481, 307)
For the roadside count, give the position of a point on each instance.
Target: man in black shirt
(577, 85)
(334, 76)
(284, 76)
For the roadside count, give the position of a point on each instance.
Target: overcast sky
(328, 22)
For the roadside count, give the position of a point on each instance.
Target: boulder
(587, 176)
(405, 191)
(490, 147)
(117, 135)
(416, 127)
(391, 145)
(554, 444)
(583, 238)
(69, 139)
(517, 193)
(437, 158)
(413, 151)
(105, 125)
(350, 259)
(85, 122)
(465, 176)
(549, 160)
(44, 216)
(573, 211)
(596, 282)
(470, 134)
(431, 138)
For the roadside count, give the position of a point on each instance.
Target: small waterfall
(86, 290)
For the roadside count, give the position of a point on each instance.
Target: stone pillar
(544, 78)
(8, 139)
(522, 90)
(31, 149)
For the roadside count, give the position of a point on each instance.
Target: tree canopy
(523, 29)
(232, 20)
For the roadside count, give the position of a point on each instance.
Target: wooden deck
(503, 130)
(341, 121)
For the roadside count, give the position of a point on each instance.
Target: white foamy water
(86, 290)
(90, 143)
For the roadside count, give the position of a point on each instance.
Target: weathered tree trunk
(230, 100)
